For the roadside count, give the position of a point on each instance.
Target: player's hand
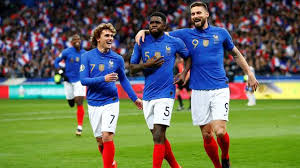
(252, 82)
(154, 62)
(139, 104)
(112, 77)
(139, 35)
(180, 78)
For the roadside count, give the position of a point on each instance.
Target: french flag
(87, 20)
(257, 19)
(120, 11)
(85, 44)
(106, 19)
(275, 62)
(26, 57)
(126, 19)
(170, 18)
(269, 2)
(245, 21)
(182, 22)
(222, 5)
(123, 51)
(279, 21)
(219, 23)
(296, 3)
(21, 61)
(80, 4)
(23, 22)
(230, 26)
(288, 28)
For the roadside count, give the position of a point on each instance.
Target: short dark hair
(199, 3)
(159, 14)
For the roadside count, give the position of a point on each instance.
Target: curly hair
(96, 33)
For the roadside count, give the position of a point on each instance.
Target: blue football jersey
(207, 51)
(94, 66)
(72, 62)
(159, 81)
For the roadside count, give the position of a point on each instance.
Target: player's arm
(240, 60)
(185, 54)
(62, 56)
(140, 36)
(127, 87)
(136, 66)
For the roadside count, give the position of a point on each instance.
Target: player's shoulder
(66, 50)
(173, 39)
(184, 30)
(218, 29)
(82, 51)
(90, 52)
(117, 56)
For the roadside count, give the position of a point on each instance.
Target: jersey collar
(203, 31)
(158, 39)
(103, 54)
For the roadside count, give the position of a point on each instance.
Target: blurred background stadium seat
(34, 32)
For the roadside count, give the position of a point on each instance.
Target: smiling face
(199, 17)
(156, 26)
(105, 40)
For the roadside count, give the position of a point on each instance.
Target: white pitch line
(127, 114)
(53, 118)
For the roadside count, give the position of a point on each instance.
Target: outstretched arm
(127, 87)
(240, 60)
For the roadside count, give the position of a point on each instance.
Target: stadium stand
(34, 32)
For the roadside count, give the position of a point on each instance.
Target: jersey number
(167, 113)
(147, 56)
(113, 117)
(226, 107)
(93, 66)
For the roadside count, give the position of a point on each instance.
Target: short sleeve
(136, 55)
(181, 48)
(228, 43)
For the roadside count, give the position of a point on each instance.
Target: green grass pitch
(41, 134)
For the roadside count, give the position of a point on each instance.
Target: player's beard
(202, 23)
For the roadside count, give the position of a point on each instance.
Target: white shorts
(104, 118)
(158, 111)
(209, 105)
(74, 89)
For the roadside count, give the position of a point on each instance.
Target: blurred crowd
(33, 33)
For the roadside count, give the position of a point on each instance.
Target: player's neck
(103, 50)
(205, 26)
(156, 36)
(77, 48)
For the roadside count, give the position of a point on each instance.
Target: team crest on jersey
(77, 59)
(168, 50)
(111, 63)
(205, 43)
(81, 68)
(157, 55)
(101, 67)
(216, 39)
